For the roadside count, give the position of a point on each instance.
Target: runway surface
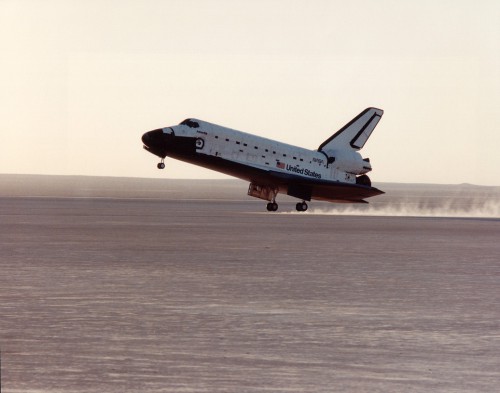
(164, 295)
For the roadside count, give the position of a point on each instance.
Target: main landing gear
(161, 164)
(301, 206)
(272, 206)
(269, 193)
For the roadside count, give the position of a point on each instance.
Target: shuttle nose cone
(152, 138)
(154, 142)
(149, 137)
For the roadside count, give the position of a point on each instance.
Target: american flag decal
(280, 165)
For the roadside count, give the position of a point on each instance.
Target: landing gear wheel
(301, 207)
(272, 206)
(161, 165)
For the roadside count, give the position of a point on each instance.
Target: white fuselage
(266, 154)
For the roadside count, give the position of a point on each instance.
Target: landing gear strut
(161, 164)
(267, 193)
(301, 206)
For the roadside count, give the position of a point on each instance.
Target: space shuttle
(334, 172)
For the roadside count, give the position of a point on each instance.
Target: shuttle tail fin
(355, 133)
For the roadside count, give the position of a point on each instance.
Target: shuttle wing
(326, 190)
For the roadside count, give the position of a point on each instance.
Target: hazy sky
(81, 81)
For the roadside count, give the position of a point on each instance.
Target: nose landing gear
(161, 164)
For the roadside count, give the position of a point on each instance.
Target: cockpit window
(190, 123)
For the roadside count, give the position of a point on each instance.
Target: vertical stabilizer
(355, 133)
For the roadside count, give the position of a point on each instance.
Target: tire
(301, 207)
(272, 206)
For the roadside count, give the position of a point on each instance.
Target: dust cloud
(413, 200)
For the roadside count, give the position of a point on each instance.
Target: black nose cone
(152, 138)
(155, 142)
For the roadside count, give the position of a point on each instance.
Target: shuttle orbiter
(335, 172)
